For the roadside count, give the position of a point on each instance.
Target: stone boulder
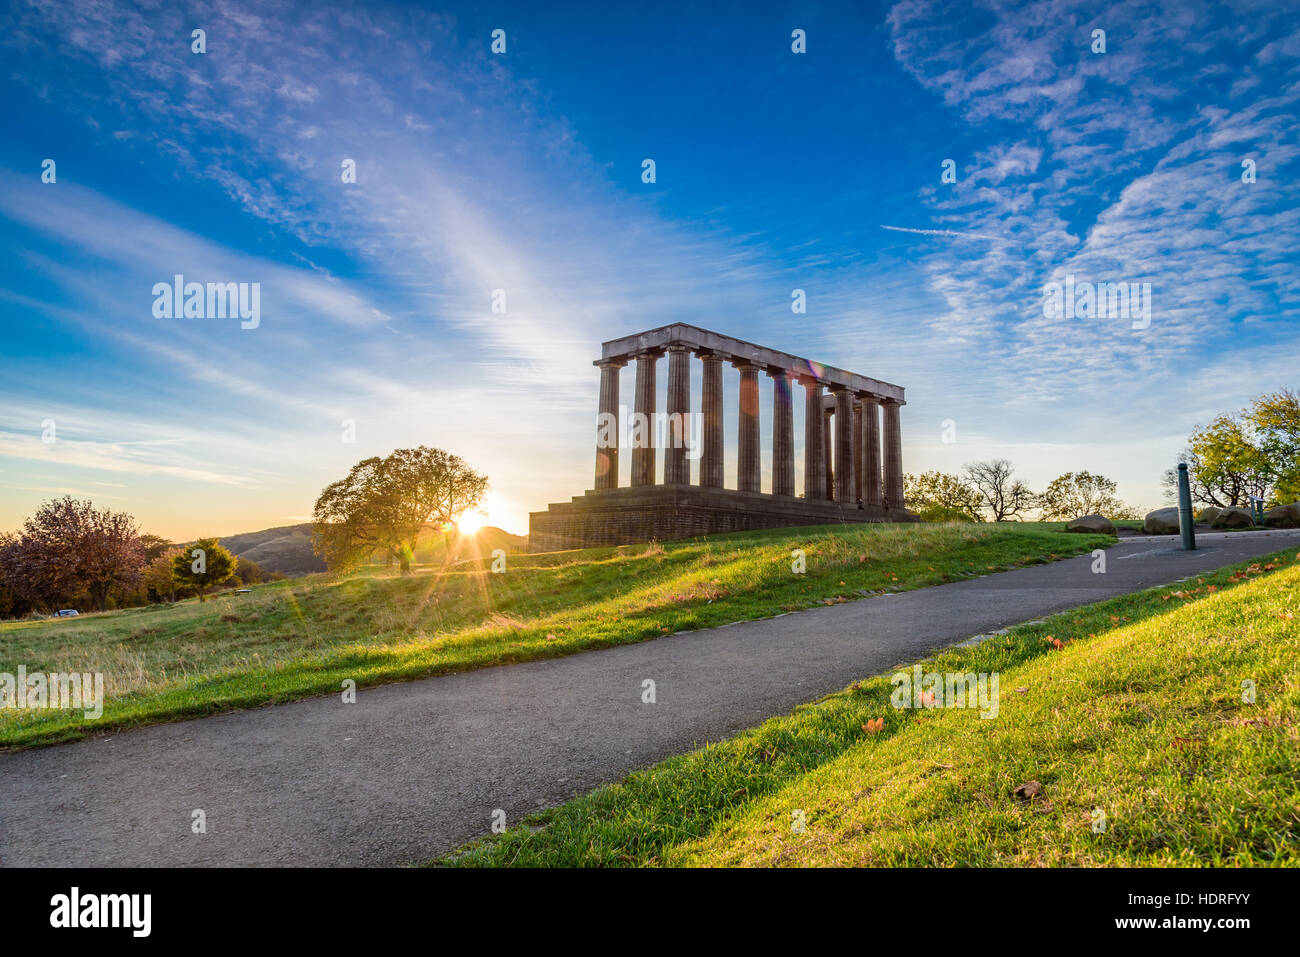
(1163, 521)
(1233, 518)
(1209, 514)
(1093, 524)
(1284, 516)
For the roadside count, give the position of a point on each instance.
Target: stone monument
(852, 445)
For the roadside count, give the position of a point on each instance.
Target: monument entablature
(702, 342)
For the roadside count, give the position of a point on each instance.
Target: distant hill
(432, 547)
(287, 548)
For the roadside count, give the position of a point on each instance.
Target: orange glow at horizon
(491, 511)
(471, 522)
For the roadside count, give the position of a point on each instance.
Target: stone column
(859, 449)
(893, 434)
(871, 488)
(749, 475)
(782, 433)
(844, 446)
(711, 407)
(828, 452)
(607, 424)
(677, 464)
(814, 465)
(643, 428)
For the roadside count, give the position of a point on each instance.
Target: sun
(471, 522)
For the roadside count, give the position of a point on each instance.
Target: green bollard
(1185, 520)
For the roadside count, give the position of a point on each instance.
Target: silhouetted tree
(384, 503)
(1006, 498)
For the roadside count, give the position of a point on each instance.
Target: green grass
(300, 638)
(1139, 712)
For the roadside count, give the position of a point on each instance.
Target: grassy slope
(1140, 713)
(300, 638)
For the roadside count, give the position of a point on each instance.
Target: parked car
(67, 613)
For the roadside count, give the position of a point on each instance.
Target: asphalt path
(415, 769)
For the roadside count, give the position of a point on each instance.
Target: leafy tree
(23, 566)
(153, 546)
(69, 546)
(1225, 464)
(1006, 498)
(158, 581)
(384, 503)
(250, 573)
(203, 565)
(1275, 417)
(13, 604)
(1082, 493)
(940, 497)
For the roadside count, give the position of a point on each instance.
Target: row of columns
(852, 430)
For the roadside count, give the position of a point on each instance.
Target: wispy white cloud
(111, 457)
(1115, 181)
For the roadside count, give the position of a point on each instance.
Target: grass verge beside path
(1138, 713)
(301, 638)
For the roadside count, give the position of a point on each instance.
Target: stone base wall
(625, 516)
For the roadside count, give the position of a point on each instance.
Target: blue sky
(521, 172)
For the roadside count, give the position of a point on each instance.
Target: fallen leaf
(873, 725)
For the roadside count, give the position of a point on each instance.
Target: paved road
(412, 770)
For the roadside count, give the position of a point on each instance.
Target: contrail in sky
(940, 232)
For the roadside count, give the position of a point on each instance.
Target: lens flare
(471, 522)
